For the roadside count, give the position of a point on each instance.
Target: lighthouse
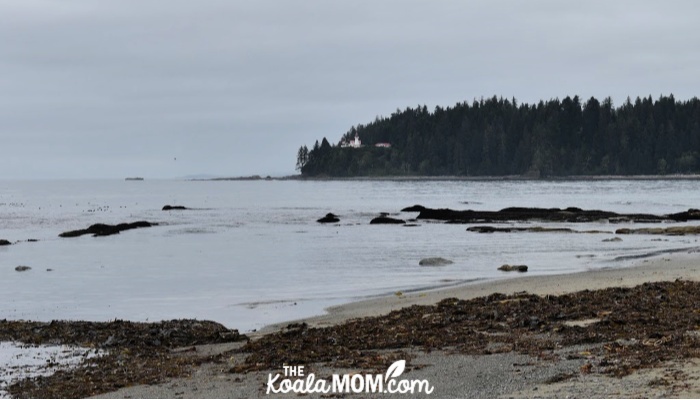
(356, 143)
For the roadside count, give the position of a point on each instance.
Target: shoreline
(664, 267)
(438, 178)
(455, 374)
(510, 375)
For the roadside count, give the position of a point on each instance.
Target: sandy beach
(663, 268)
(508, 374)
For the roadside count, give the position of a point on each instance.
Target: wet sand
(458, 375)
(662, 268)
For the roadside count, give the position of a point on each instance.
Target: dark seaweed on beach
(137, 353)
(622, 330)
(628, 328)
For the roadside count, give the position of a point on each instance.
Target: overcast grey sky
(168, 88)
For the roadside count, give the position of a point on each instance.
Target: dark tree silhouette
(498, 137)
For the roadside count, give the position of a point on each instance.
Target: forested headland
(499, 137)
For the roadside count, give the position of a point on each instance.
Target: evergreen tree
(497, 136)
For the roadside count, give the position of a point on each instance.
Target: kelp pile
(624, 328)
(137, 353)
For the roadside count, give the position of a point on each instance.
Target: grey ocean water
(250, 252)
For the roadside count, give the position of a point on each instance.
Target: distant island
(135, 178)
(500, 137)
(241, 178)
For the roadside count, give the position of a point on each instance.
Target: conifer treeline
(497, 136)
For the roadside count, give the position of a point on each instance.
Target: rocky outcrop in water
(4, 242)
(531, 229)
(386, 220)
(690, 215)
(435, 262)
(670, 231)
(416, 208)
(22, 268)
(509, 229)
(571, 214)
(106, 230)
(168, 207)
(508, 268)
(329, 218)
(615, 239)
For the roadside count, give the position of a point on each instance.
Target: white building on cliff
(354, 144)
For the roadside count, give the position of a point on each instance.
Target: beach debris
(106, 230)
(168, 207)
(386, 220)
(508, 268)
(4, 242)
(22, 268)
(586, 368)
(329, 218)
(636, 328)
(615, 239)
(435, 262)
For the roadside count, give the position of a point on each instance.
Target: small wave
(657, 253)
(190, 231)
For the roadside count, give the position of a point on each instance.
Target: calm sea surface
(251, 253)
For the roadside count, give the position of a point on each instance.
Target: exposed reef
(435, 262)
(571, 214)
(508, 268)
(386, 220)
(670, 231)
(535, 229)
(168, 207)
(106, 230)
(329, 218)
